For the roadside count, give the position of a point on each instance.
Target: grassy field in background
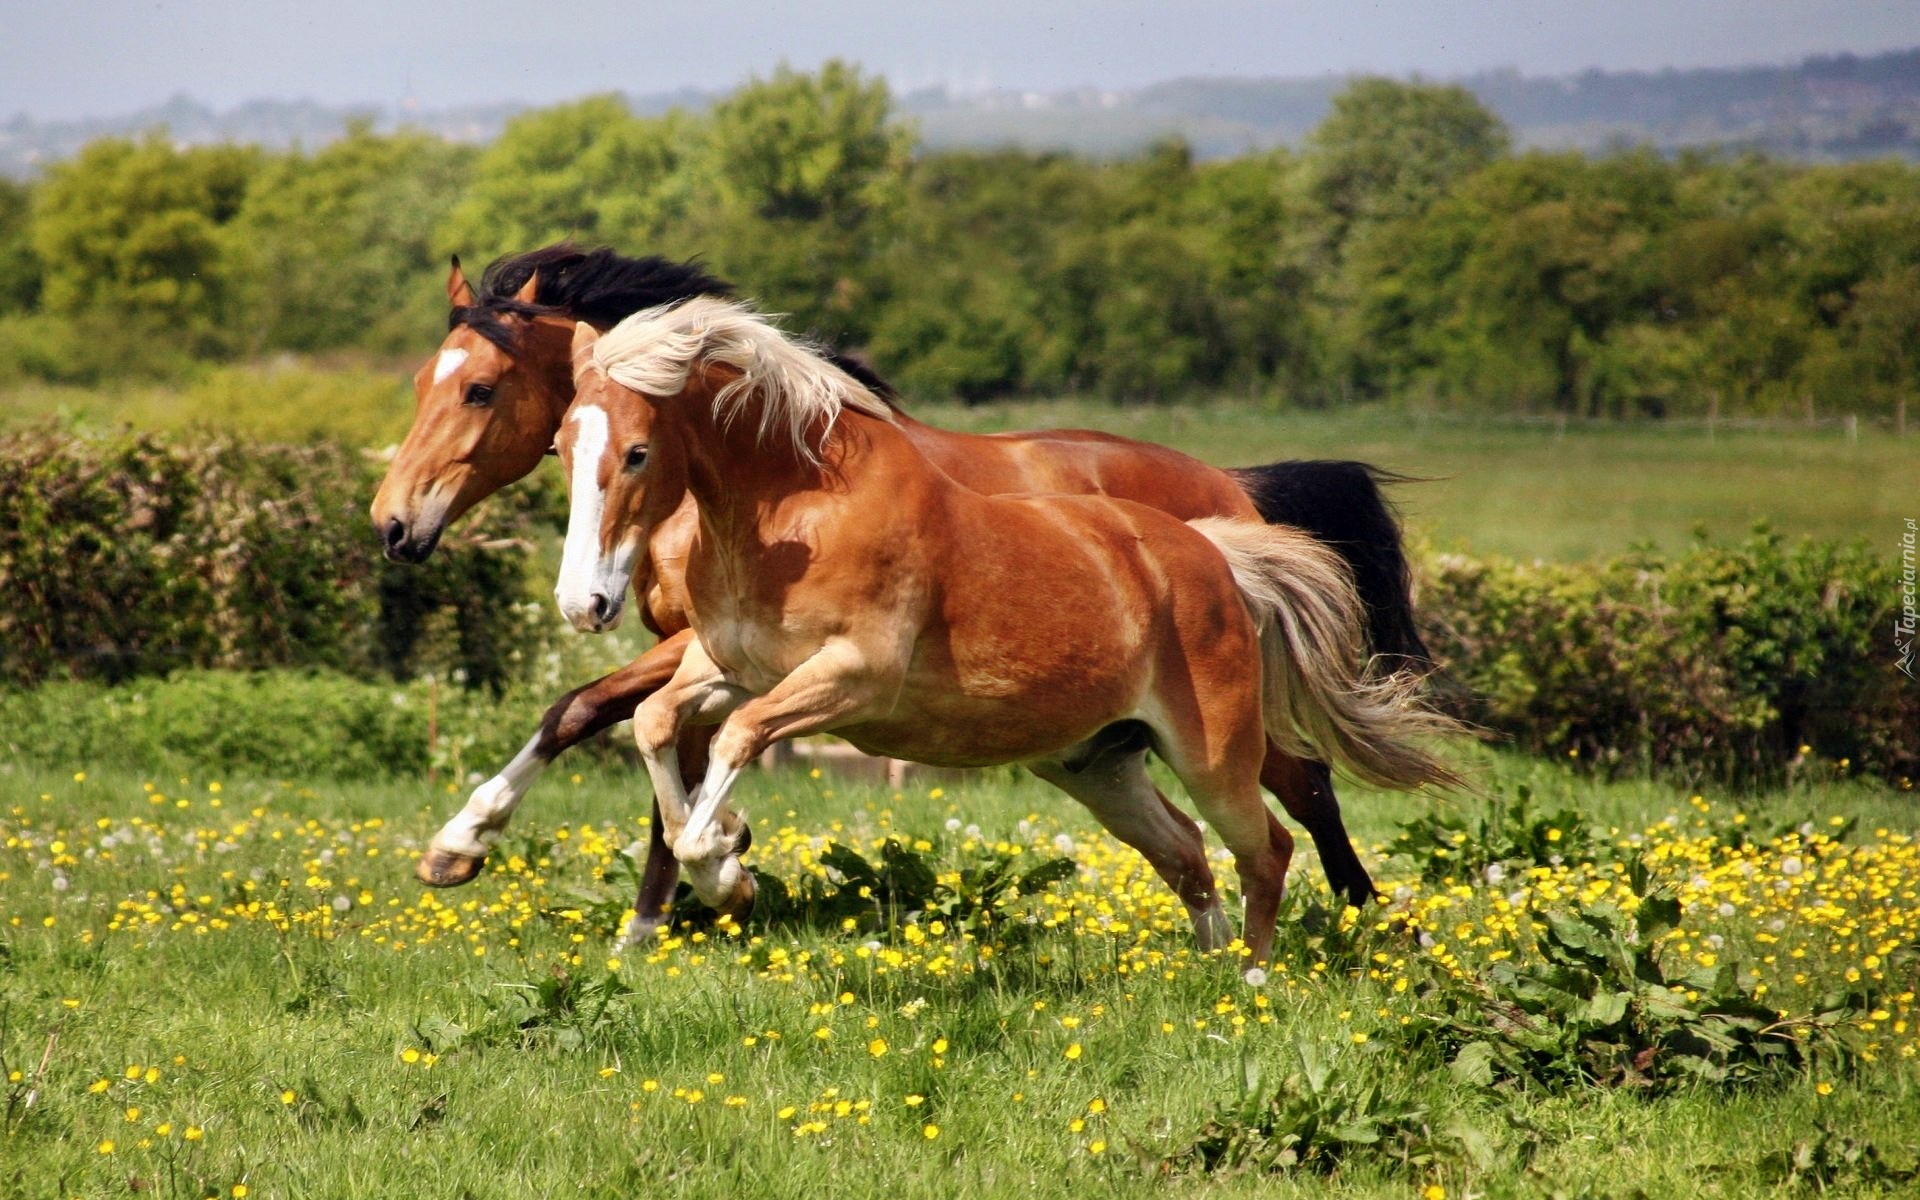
(1526, 490)
(291, 400)
(1532, 491)
(233, 987)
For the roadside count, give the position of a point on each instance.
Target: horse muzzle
(597, 612)
(403, 544)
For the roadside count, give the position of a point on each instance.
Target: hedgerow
(1742, 663)
(130, 557)
(126, 555)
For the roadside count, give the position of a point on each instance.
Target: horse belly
(971, 739)
(1017, 711)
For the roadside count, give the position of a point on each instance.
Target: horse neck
(547, 355)
(735, 477)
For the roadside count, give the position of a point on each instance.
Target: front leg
(662, 872)
(698, 693)
(459, 849)
(839, 685)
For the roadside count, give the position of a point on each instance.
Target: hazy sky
(101, 57)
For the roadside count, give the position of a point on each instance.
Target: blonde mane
(654, 352)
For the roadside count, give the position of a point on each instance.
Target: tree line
(1406, 252)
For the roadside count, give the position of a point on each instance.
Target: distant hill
(1823, 109)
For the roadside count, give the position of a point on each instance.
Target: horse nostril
(395, 533)
(601, 606)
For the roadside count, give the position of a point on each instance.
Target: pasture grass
(288, 399)
(1493, 485)
(1532, 490)
(233, 987)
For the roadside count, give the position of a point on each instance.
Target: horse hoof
(444, 869)
(1354, 891)
(638, 933)
(739, 906)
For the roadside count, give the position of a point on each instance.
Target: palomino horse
(841, 581)
(493, 397)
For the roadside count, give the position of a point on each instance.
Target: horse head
(604, 446)
(487, 405)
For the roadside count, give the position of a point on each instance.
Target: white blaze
(580, 561)
(448, 363)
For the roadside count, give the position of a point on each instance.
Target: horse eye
(479, 395)
(636, 457)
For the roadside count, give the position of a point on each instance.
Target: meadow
(224, 983)
(1492, 485)
(219, 979)
(233, 987)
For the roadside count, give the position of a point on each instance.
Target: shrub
(1720, 662)
(1313, 1121)
(130, 556)
(127, 556)
(38, 347)
(88, 349)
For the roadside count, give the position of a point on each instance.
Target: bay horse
(491, 400)
(840, 580)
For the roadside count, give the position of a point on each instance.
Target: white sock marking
(475, 828)
(1210, 926)
(703, 847)
(703, 835)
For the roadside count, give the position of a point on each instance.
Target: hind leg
(1115, 788)
(1218, 761)
(1262, 849)
(1305, 789)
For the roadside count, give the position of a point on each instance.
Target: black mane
(597, 286)
(863, 374)
(602, 288)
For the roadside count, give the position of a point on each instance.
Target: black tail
(1340, 504)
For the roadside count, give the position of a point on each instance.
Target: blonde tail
(1319, 699)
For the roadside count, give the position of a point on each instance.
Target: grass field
(1526, 490)
(1532, 491)
(228, 987)
(290, 401)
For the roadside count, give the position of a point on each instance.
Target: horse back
(1086, 462)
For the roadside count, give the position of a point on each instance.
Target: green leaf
(1657, 915)
(1047, 874)
(1474, 1064)
(1607, 1008)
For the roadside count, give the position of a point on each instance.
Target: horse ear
(529, 289)
(458, 293)
(584, 336)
